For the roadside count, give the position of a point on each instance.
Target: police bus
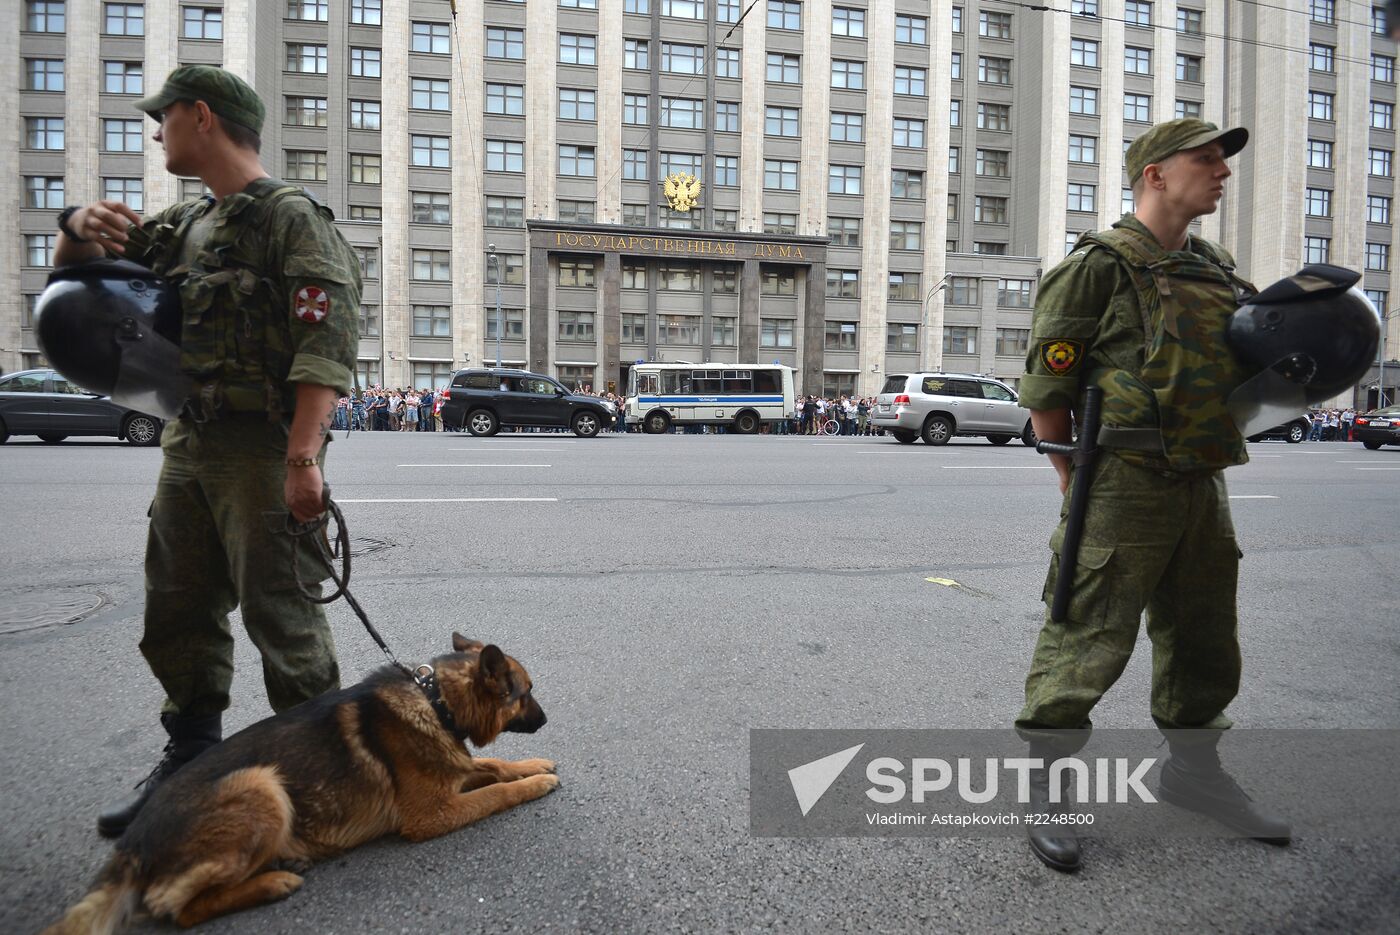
(743, 396)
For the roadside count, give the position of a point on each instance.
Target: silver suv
(937, 406)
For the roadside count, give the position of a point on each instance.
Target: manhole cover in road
(364, 546)
(33, 608)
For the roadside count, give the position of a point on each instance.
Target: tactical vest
(1175, 408)
(236, 340)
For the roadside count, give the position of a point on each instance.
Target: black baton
(1084, 452)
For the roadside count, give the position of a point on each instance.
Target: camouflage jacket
(1148, 326)
(269, 291)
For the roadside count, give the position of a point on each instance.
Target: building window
(952, 206)
(838, 384)
(994, 117)
(1188, 109)
(1127, 202)
(726, 63)
(1137, 13)
(1382, 116)
(955, 113)
(779, 222)
(634, 276)
(635, 54)
(959, 339)
(43, 133)
(954, 160)
(1084, 7)
(957, 19)
(1323, 11)
(635, 164)
(316, 11)
(782, 14)
(683, 9)
(577, 49)
(202, 23)
(431, 207)
(505, 156)
(577, 104)
(640, 7)
(305, 166)
(1014, 342)
(909, 132)
(365, 168)
(723, 331)
(1014, 293)
(1084, 100)
(994, 163)
(593, 5)
(634, 109)
(843, 283)
(1322, 57)
(634, 215)
(365, 63)
(727, 11)
(305, 112)
(844, 180)
(849, 22)
(1378, 299)
(1084, 52)
(847, 128)
(1377, 208)
(365, 212)
(1320, 154)
(1319, 203)
(727, 170)
(1380, 162)
(306, 59)
(955, 66)
(994, 25)
(992, 70)
(911, 29)
(432, 265)
(901, 339)
(368, 258)
(911, 81)
(38, 249)
(512, 324)
(786, 69)
(46, 74)
(123, 19)
(577, 212)
(1083, 148)
(500, 43)
(964, 290)
(678, 329)
(906, 235)
(191, 189)
(435, 39)
(849, 75)
(682, 163)
(1081, 197)
(508, 99)
(905, 286)
(778, 281)
(680, 59)
(844, 232)
(44, 16)
(726, 117)
(581, 274)
(1383, 68)
(780, 175)
(909, 183)
(840, 336)
(1137, 107)
(634, 327)
(576, 326)
(1317, 249)
(430, 151)
(46, 191)
(432, 321)
(367, 12)
(576, 160)
(1378, 256)
(364, 115)
(682, 113)
(1188, 68)
(1188, 22)
(1137, 61)
(429, 94)
(121, 136)
(775, 332)
(989, 209)
(725, 219)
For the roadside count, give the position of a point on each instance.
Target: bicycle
(828, 426)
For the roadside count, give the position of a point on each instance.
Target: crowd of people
(377, 409)
(1331, 425)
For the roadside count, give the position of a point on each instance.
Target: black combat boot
(1057, 845)
(1194, 779)
(189, 737)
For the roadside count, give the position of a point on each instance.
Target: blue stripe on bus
(653, 400)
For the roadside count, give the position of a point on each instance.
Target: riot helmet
(113, 327)
(1312, 335)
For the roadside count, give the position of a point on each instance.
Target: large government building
(850, 187)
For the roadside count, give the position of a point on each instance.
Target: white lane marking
(494, 448)
(1379, 469)
(478, 465)
(1355, 462)
(1252, 457)
(461, 500)
(1252, 496)
(997, 467)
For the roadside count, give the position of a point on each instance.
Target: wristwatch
(63, 217)
(302, 462)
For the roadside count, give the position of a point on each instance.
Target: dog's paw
(543, 784)
(279, 884)
(534, 767)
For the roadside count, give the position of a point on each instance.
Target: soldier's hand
(105, 223)
(1064, 475)
(303, 493)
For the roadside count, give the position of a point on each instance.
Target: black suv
(1293, 431)
(483, 400)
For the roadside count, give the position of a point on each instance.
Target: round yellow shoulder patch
(1061, 356)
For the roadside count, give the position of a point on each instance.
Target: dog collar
(426, 680)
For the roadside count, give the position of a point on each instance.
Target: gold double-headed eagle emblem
(682, 191)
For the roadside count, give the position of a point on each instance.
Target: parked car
(43, 403)
(1292, 432)
(937, 406)
(1377, 427)
(483, 400)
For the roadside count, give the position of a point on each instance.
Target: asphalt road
(667, 594)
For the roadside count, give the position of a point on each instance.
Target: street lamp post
(1380, 375)
(923, 322)
(491, 256)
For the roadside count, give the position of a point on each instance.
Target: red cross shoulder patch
(312, 304)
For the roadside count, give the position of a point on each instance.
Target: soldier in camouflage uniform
(270, 294)
(1141, 310)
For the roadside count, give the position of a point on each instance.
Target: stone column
(397, 311)
(82, 127)
(750, 310)
(1164, 61)
(1110, 121)
(936, 224)
(753, 64)
(813, 327)
(159, 187)
(537, 325)
(469, 290)
(541, 99)
(611, 297)
(1213, 75)
(1054, 138)
(610, 113)
(11, 243)
(1349, 227)
(875, 242)
(816, 105)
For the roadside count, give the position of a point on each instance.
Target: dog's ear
(460, 644)
(493, 662)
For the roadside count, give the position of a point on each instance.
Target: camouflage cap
(227, 95)
(1166, 139)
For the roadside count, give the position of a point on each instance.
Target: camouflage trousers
(212, 547)
(1154, 542)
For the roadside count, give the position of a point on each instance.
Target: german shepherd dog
(227, 831)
